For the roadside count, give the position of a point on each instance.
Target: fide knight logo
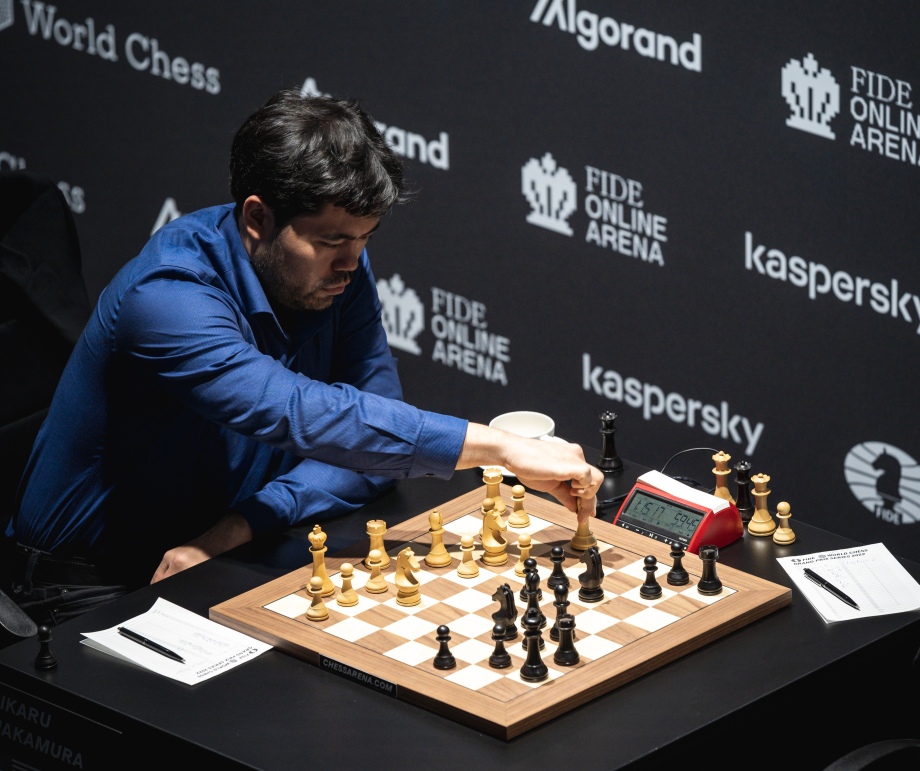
(403, 314)
(551, 192)
(6, 14)
(813, 96)
(886, 480)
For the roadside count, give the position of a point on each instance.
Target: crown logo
(6, 13)
(403, 314)
(813, 95)
(551, 192)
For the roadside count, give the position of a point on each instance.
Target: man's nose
(347, 259)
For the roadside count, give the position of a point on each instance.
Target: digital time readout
(661, 515)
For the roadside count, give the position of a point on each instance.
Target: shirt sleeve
(190, 337)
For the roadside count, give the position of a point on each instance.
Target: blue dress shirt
(185, 399)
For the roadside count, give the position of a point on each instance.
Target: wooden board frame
(753, 598)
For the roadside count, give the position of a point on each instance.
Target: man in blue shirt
(235, 379)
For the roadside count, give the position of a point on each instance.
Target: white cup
(533, 425)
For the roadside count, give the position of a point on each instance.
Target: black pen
(828, 586)
(135, 637)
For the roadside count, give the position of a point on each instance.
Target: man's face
(310, 260)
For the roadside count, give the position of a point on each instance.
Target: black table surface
(785, 687)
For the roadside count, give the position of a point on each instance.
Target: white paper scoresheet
(207, 647)
(869, 574)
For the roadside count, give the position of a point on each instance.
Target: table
(757, 691)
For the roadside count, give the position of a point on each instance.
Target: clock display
(661, 516)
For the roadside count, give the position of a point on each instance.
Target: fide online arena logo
(402, 314)
(813, 96)
(886, 480)
(551, 193)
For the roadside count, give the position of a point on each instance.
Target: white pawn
(518, 517)
(468, 567)
(347, 596)
(377, 583)
(783, 533)
(524, 547)
(317, 610)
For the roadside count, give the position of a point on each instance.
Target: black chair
(43, 309)
(885, 755)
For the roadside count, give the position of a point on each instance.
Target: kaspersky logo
(813, 96)
(886, 480)
(6, 14)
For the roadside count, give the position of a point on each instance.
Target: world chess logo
(403, 314)
(886, 480)
(813, 96)
(6, 14)
(551, 193)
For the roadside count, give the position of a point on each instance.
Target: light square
(472, 651)
(593, 648)
(473, 677)
(411, 628)
(411, 653)
(471, 625)
(291, 606)
(651, 619)
(351, 629)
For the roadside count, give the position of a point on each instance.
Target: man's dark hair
(299, 153)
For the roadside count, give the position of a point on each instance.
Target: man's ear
(258, 219)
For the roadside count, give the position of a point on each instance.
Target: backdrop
(701, 217)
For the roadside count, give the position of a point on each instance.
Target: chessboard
(393, 648)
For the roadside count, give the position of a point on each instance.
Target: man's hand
(230, 531)
(557, 468)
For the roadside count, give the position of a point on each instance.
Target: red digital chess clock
(670, 511)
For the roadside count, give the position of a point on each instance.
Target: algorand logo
(409, 144)
(886, 480)
(618, 219)
(403, 314)
(551, 193)
(6, 14)
(812, 94)
(590, 30)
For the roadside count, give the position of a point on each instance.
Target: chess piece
(507, 612)
(408, 592)
(566, 655)
(561, 604)
(650, 590)
(721, 472)
(533, 670)
(468, 568)
(761, 523)
(45, 659)
(677, 576)
(518, 517)
(709, 581)
(583, 538)
(591, 580)
(376, 529)
(500, 658)
(609, 460)
(783, 533)
(377, 583)
(317, 610)
(318, 550)
(558, 576)
(492, 478)
(534, 593)
(494, 544)
(444, 658)
(437, 556)
(347, 596)
(743, 501)
(524, 548)
(530, 566)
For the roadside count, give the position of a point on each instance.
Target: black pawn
(557, 557)
(530, 566)
(445, 659)
(500, 658)
(709, 581)
(561, 605)
(743, 501)
(45, 659)
(533, 670)
(650, 590)
(677, 576)
(566, 655)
